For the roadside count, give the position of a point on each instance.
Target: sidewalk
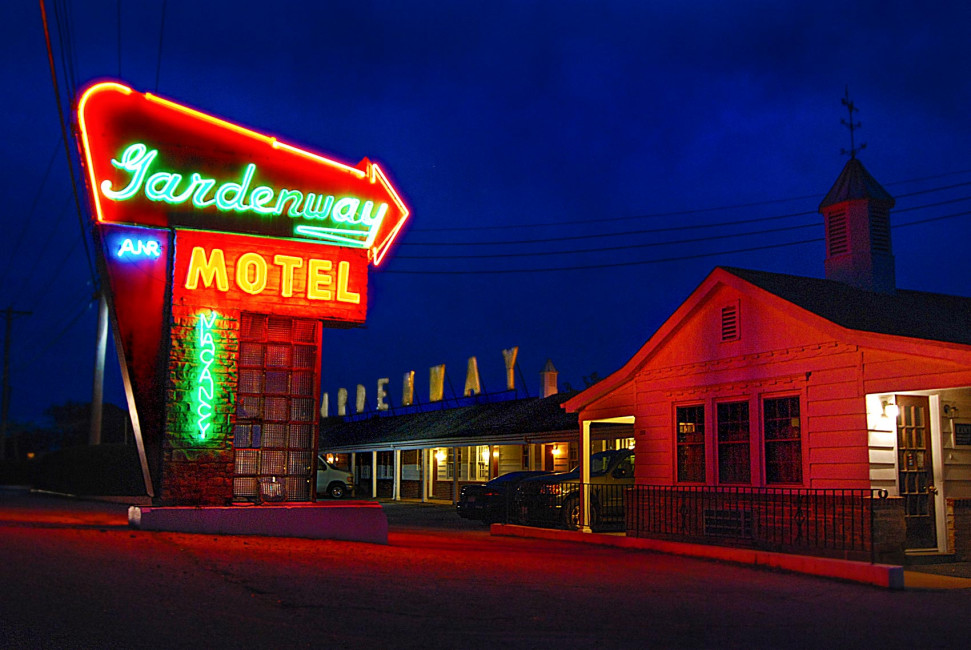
(955, 575)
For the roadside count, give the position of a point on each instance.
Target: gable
(775, 312)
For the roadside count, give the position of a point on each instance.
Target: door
(916, 470)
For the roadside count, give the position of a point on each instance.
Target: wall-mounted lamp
(495, 453)
(556, 450)
(891, 410)
(440, 456)
(950, 411)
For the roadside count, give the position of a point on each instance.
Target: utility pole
(97, 391)
(8, 314)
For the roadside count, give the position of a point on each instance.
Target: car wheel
(336, 490)
(571, 514)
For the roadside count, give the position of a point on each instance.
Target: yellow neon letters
(253, 275)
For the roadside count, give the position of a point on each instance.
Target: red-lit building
(763, 380)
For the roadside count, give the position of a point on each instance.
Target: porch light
(495, 453)
(891, 410)
(556, 450)
(485, 456)
(440, 456)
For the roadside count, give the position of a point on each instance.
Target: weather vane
(851, 125)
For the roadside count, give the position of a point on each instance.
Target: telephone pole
(8, 314)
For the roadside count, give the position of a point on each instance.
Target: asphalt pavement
(75, 575)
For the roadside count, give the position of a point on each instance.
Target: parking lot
(75, 575)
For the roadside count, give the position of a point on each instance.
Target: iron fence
(825, 522)
(556, 504)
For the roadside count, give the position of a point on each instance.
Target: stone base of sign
(357, 521)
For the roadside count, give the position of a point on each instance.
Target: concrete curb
(356, 521)
(881, 575)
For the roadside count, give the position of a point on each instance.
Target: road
(73, 575)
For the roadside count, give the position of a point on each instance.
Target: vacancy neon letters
(153, 162)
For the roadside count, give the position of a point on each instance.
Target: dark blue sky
(665, 135)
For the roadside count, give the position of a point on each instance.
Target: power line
(64, 138)
(88, 301)
(25, 222)
(646, 231)
(629, 246)
(587, 267)
(161, 33)
(677, 258)
(680, 213)
(605, 249)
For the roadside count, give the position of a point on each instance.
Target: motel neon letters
(155, 163)
(252, 272)
(271, 276)
(355, 222)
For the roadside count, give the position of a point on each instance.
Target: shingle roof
(527, 418)
(855, 182)
(915, 314)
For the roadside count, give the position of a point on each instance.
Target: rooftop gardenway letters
(231, 196)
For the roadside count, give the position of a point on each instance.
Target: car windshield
(599, 463)
(323, 462)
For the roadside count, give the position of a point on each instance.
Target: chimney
(856, 212)
(547, 378)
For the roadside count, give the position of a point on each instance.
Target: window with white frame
(734, 453)
(783, 440)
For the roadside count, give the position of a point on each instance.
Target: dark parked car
(488, 502)
(554, 500)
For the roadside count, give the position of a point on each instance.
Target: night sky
(574, 169)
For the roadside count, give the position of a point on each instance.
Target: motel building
(430, 450)
(818, 416)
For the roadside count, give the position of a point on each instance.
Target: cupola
(856, 212)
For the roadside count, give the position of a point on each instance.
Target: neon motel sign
(153, 162)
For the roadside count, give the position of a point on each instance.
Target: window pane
(691, 443)
(733, 443)
(783, 441)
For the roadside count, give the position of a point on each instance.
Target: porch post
(455, 475)
(585, 476)
(354, 472)
(374, 474)
(423, 465)
(397, 475)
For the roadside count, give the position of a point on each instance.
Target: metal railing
(556, 504)
(826, 522)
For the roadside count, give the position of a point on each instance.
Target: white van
(335, 483)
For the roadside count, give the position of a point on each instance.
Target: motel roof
(914, 314)
(527, 420)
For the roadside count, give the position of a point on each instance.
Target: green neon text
(205, 383)
(137, 161)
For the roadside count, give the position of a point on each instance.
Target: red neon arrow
(153, 162)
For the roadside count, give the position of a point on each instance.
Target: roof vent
(837, 237)
(730, 323)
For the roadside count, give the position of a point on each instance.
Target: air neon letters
(351, 217)
(253, 274)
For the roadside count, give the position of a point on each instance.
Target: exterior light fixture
(440, 456)
(891, 410)
(556, 450)
(495, 453)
